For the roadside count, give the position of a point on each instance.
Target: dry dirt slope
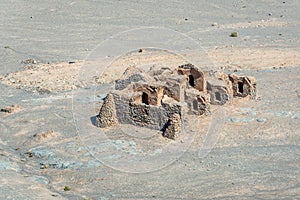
(251, 159)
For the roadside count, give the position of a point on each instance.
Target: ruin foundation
(160, 97)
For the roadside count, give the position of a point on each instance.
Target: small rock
(72, 62)
(30, 155)
(214, 24)
(141, 50)
(4, 154)
(261, 120)
(42, 90)
(234, 34)
(11, 109)
(29, 61)
(234, 120)
(67, 188)
(58, 163)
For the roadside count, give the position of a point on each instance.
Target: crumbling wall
(219, 91)
(175, 87)
(132, 75)
(121, 84)
(160, 71)
(243, 86)
(173, 127)
(151, 95)
(153, 116)
(194, 76)
(197, 102)
(203, 104)
(119, 106)
(122, 106)
(107, 116)
(139, 114)
(171, 106)
(160, 98)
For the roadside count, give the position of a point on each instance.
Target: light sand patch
(254, 58)
(44, 78)
(47, 78)
(264, 23)
(256, 24)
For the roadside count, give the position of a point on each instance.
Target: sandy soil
(47, 78)
(254, 156)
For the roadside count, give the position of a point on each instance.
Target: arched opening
(191, 80)
(241, 87)
(145, 98)
(196, 79)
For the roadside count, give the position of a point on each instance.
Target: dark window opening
(191, 81)
(218, 96)
(195, 105)
(241, 87)
(145, 98)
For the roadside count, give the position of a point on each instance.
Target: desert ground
(46, 154)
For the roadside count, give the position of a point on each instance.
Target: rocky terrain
(44, 155)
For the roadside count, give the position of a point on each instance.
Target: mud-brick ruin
(160, 97)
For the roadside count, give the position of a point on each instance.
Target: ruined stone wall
(175, 87)
(160, 101)
(219, 91)
(122, 106)
(243, 86)
(108, 113)
(194, 76)
(121, 84)
(148, 116)
(198, 102)
(151, 95)
(173, 127)
(122, 109)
